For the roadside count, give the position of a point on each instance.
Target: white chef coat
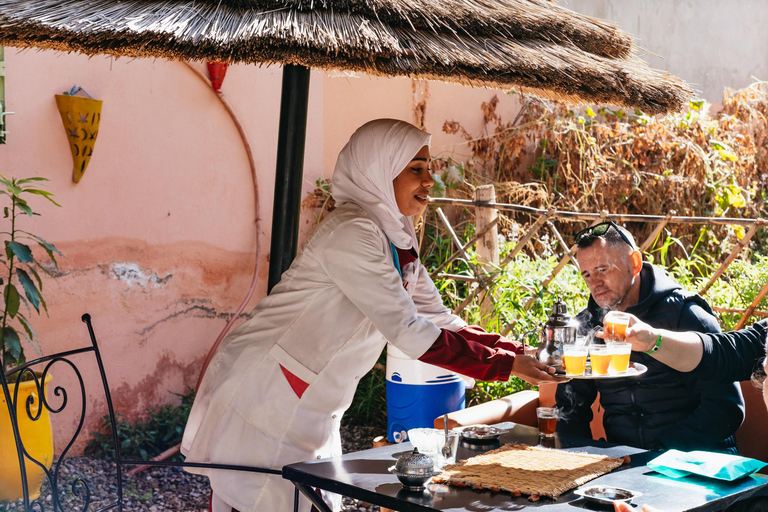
(326, 322)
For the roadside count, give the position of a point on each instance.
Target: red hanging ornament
(217, 71)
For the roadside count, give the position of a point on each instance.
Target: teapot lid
(560, 316)
(414, 463)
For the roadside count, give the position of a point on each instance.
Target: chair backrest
(59, 483)
(751, 437)
(36, 410)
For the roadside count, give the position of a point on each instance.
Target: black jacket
(732, 355)
(663, 408)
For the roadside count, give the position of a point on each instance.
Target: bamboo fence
(486, 214)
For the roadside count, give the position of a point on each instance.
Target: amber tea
(547, 418)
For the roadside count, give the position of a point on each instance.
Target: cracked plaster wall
(159, 236)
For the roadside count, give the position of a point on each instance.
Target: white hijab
(376, 153)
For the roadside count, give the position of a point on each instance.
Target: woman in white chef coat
(277, 387)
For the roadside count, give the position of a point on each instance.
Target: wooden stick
(751, 308)
(466, 246)
(734, 310)
(488, 246)
(656, 231)
(616, 217)
(739, 246)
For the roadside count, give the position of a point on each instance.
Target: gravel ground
(165, 489)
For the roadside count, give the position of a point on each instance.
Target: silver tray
(634, 370)
(481, 433)
(606, 495)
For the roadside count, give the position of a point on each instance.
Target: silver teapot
(559, 329)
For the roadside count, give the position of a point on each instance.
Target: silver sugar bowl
(414, 469)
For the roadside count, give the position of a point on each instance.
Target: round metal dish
(481, 434)
(607, 495)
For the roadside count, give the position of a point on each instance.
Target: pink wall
(159, 236)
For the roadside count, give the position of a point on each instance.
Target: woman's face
(413, 183)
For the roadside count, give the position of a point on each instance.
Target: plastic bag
(677, 464)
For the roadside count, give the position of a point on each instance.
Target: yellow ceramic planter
(38, 440)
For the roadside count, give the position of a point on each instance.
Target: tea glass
(620, 353)
(547, 419)
(615, 326)
(453, 442)
(600, 357)
(575, 359)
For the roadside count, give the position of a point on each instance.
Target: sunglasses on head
(599, 230)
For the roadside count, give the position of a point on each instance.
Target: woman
(277, 387)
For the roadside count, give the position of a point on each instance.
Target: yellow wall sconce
(81, 115)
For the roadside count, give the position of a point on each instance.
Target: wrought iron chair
(77, 485)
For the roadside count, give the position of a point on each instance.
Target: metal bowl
(414, 469)
(607, 495)
(481, 433)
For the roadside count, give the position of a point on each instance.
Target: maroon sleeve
(468, 356)
(490, 339)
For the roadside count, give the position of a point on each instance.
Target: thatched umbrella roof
(533, 46)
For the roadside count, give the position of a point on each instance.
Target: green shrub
(143, 440)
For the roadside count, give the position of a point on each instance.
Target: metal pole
(290, 170)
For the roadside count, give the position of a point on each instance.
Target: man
(663, 408)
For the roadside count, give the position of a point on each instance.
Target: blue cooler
(417, 393)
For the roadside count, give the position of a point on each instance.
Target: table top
(364, 475)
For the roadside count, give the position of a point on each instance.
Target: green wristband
(656, 346)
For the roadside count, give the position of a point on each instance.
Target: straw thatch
(531, 45)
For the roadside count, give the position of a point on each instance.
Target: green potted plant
(22, 293)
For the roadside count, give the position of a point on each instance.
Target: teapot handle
(525, 338)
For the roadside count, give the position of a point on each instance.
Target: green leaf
(31, 334)
(33, 178)
(34, 273)
(47, 246)
(26, 209)
(22, 251)
(43, 193)
(26, 305)
(12, 342)
(12, 302)
(438, 190)
(30, 290)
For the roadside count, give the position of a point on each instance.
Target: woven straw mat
(522, 469)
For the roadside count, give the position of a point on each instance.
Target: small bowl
(607, 495)
(426, 439)
(481, 433)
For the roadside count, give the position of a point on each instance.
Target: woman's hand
(531, 370)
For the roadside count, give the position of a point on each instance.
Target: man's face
(607, 270)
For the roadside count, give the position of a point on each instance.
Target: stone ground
(165, 489)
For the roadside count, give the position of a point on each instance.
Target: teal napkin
(677, 464)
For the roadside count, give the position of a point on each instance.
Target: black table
(364, 476)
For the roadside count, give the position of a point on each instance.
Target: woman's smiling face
(412, 185)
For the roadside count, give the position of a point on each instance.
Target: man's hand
(531, 370)
(641, 335)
